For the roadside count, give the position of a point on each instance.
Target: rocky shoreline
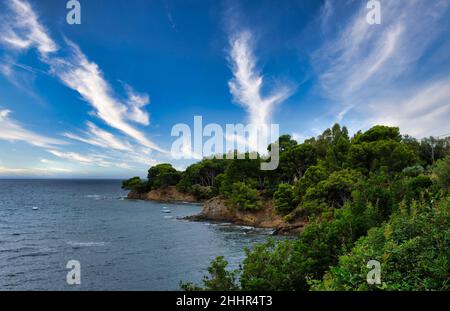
(217, 210)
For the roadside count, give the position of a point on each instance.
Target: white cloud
(85, 77)
(25, 31)
(14, 171)
(72, 156)
(22, 30)
(246, 88)
(424, 112)
(101, 138)
(91, 159)
(372, 73)
(124, 166)
(135, 103)
(11, 130)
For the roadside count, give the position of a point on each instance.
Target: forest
(378, 195)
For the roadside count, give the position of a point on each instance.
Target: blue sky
(99, 100)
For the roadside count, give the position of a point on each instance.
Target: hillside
(340, 193)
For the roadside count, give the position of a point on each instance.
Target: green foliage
(295, 160)
(391, 155)
(442, 172)
(412, 249)
(285, 142)
(219, 279)
(202, 192)
(378, 133)
(163, 175)
(202, 173)
(413, 171)
(244, 197)
(313, 175)
(284, 199)
(134, 184)
(244, 170)
(334, 190)
(359, 196)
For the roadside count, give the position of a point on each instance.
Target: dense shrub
(134, 184)
(412, 249)
(284, 199)
(244, 197)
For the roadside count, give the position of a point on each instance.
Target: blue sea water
(121, 244)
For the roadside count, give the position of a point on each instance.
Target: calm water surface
(121, 244)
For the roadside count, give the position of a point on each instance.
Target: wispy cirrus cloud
(423, 112)
(85, 77)
(19, 171)
(136, 102)
(375, 73)
(247, 90)
(246, 85)
(73, 156)
(23, 31)
(97, 137)
(88, 159)
(12, 130)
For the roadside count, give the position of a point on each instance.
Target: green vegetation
(244, 197)
(134, 184)
(375, 196)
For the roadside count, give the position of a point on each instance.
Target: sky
(100, 99)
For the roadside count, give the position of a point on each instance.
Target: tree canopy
(375, 196)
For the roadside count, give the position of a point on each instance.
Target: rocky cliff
(217, 209)
(169, 194)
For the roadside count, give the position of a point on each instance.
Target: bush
(162, 176)
(244, 197)
(202, 192)
(134, 184)
(441, 172)
(219, 279)
(412, 249)
(413, 171)
(284, 199)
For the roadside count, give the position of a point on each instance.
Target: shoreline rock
(167, 195)
(218, 210)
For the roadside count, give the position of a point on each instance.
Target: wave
(86, 244)
(95, 196)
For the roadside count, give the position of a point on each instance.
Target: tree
(295, 161)
(412, 249)
(391, 155)
(433, 149)
(377, 133)
(369, 197)
(442, 172)
(284, 199)
(244, 197)
(244, 170)
(219, 279)
(285, 142)
(163, 175)
(134, 184)
(334, 190)
(202, 174)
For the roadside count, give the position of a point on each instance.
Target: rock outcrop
(219, 210)
(169, 194)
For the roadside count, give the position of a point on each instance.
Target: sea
(119, 244)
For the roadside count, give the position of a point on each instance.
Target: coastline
(217, 209)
